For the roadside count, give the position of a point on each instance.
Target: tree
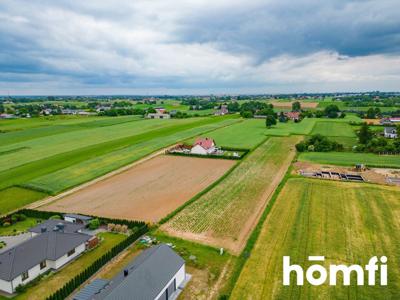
(371, 113)
(365, 134)
(296, 106)
(94, 224)
(1, 108)
(331, 111)
(282, 118)
(246, 114)
(270, 120)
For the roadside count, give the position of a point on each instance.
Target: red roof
(293, 114)
(206, 143)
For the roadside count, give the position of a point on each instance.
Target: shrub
(6, 224)
(55, 217)
(110, 226)
(94, 224)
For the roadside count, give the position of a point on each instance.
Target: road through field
(226, 215)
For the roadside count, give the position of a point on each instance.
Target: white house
(157, 273)
(203, 146)
(158, 116)
(46, 249)
(390, 132)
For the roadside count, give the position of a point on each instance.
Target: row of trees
(318, 143)
(372, 142)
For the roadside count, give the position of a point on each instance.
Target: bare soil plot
(226, 215)
(288, 104)
(148, 191)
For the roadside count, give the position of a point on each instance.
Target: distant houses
(52, 244)
(203, 146)
(293, 115)
(157, 273)
(390, 120)
(158, 116)
(390, 132)
(222, 111)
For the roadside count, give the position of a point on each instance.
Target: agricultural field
(288, 104)
(238, 199)
(57, 162)
(148, 191)
(350, 159)
(345, 222)
(245, 134)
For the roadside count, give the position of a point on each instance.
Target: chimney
(126, 272)
(43, 229)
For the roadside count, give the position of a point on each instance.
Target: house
(222, 111)
(293, 115)
(50, 247)
(160, 110)
(157, 273)
(75, 218)
(7, 116)
(56, 225)
(390, 132)
(389, 120)
(203, 146)
(158, 116)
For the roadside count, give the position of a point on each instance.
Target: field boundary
(75, 189)
(209, 188)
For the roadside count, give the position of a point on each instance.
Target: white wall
(69, 219)
(198, 150)
(179, 276)
(35, 271)
(6, 286)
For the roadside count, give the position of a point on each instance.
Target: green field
(333, 129)
(351, 159)
(235, 200)
(245, 134)
(61, 160)
(348, 223)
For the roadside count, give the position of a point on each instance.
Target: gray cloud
(183, 46)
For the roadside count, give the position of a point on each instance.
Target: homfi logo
(317, 274)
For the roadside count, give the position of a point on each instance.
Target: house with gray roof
(50, 247)
(390, 132)
(157, 273)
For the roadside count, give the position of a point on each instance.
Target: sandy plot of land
(288, 104)
(148, 191)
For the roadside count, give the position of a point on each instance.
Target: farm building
(158, 116)
(293, 115)
(203, 146)
(158, 273)
(52, 245)
(390, 132)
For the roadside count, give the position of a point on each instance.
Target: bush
(6, 224)
(20, 289)
(94, 224)
(301, 147)
(318, 143)
(55, 217)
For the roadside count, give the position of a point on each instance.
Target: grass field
(333, 129)
(245, 134)
(56, 280)
(350, 159)
(14, 197)
(225, 215)
(346, 222)
(56, 162)
(20, 226)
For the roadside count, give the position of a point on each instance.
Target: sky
(198, 46)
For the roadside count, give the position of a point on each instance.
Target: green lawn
(348, 223)
(245, 134)
(56, 280)
(351, 159)
(18, 227)
(14, 197)
(333, 129)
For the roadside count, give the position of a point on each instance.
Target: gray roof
(390, 130)
(76, 216)
(89, 291)
(49, 245)
(148, 275)
(49, 225)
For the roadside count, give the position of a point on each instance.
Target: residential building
(52, 245)
(157, 273)
(158, 116)
(203, 146)
(222, 111)
(390, 132)
(293, 115)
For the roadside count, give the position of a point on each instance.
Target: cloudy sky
(198, 46)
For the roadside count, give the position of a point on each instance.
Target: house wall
(198, 150)
(6, 286)
(180, 278)
(69, 219)
(35, 271)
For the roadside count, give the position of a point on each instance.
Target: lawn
(54, 281)
(245, 134)
(333, 129)
(351, 159)
(14, 197)
(18, 227)
(348, 223)
(225, 215)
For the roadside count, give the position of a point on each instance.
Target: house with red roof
(203, 146)
(293, 115)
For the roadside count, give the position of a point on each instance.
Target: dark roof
(49, 245)
(148, 274)
(49, 225)
(390, 130)
(90, 290)
(76, 216)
